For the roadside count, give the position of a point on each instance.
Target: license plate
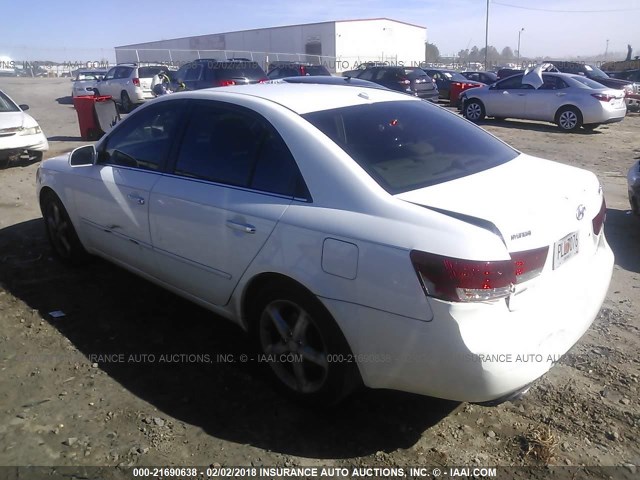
(617, 102)
(565, 248)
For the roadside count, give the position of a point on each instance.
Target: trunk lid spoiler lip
(470, 219)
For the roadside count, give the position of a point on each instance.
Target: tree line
(432, 54)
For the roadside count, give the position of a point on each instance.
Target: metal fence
(177, 57)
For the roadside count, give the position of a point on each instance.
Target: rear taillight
(136, 82)
(456, 84)
(599, 219)
(404, 81)
(529, 264)
(603, 97)
(226, 83)
(459, 280)
(303, 71)
(263, 80)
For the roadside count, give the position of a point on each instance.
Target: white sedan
(360, 235)
(19, 132)
(85, 81)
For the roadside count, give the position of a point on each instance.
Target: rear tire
(305, 352)
(62, 235)
(474, 110)
(569, 119)
(125, 102)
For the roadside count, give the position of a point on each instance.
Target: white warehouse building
(339, 45)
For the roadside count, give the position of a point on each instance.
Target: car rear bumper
(478, 352)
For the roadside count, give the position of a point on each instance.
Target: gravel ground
(149, 404)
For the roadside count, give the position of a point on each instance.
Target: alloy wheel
(59, 231)
(293, 346)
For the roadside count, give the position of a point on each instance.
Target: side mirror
(83, 156)
(23, 107)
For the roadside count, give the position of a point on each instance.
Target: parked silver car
(570, 101)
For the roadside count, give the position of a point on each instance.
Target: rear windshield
(230, 70)
(6, 105)
(408, 145)
(585, 82)
(454, 76)
(149, 72)
(414, 72)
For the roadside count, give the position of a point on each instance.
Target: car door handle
(243, 227)
(521, 94)
(505, 93)
(560, 94)
(136, 198)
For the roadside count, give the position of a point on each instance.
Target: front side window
(111, 74)
(143, 141)
(511, 83)
(406, 145)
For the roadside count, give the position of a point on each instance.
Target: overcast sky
(75, 30)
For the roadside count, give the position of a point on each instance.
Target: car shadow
(622, 229)
(203, 381)
(23, 160)
(538, 127)
(63, 138)
(68, 100)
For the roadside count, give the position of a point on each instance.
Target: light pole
(519, 33)
(486, 38)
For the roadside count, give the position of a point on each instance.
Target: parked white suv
(128, 84)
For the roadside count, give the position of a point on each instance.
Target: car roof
(301, 97)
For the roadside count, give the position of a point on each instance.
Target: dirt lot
(60, 404)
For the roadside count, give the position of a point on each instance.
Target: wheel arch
(566, 106)
(253, 287)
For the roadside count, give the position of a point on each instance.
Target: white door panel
(203, 245)
(114, 210)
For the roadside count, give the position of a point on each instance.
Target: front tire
(62, 235)
(304, 349)
(569, 119)
(474, 110)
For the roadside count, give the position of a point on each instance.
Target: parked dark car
(296, 69)
(330, 80)
(631, 75)
(363, 66)
(410, 80)
(507, 72)
(483, 77)
(451, 83)
(592, 72)
(207, 73)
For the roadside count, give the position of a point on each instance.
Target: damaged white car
(361, 236)
(20, 134)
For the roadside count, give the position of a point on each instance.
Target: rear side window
(406, 145)
(234, 147)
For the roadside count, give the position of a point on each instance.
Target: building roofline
(271, 28)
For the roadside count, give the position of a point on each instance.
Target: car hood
(16, 120)
(531, 201)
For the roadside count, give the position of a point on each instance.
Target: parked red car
(451, 84)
